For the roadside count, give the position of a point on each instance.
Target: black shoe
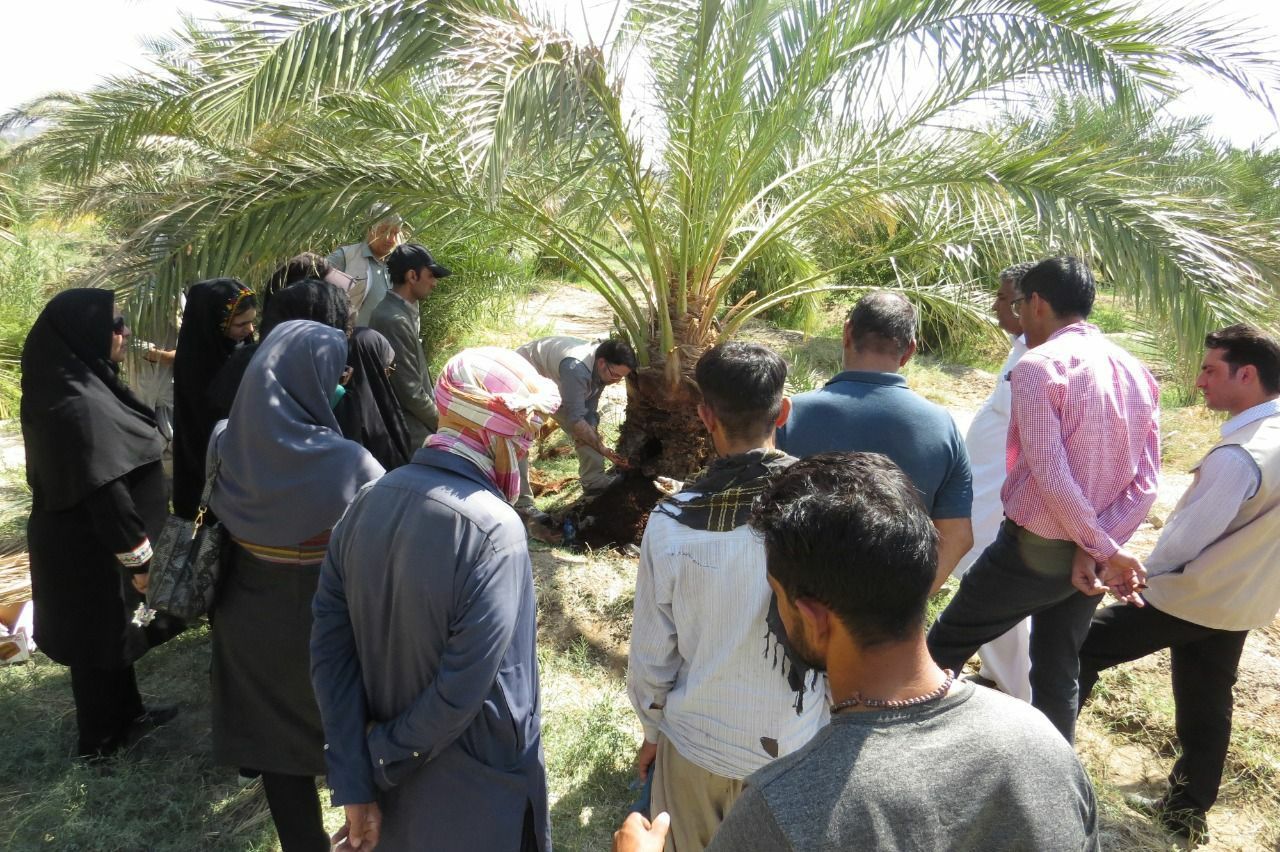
(1187, 823)
(94, 753)
(154, 717)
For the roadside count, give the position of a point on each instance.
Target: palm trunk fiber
(661, 436)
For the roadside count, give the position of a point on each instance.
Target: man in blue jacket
(423, 652)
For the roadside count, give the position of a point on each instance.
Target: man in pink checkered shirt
(1083, 462)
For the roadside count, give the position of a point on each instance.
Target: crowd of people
(375, 621)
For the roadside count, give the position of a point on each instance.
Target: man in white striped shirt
(1212, 576)
(718, 694)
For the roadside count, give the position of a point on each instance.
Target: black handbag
(188, 561)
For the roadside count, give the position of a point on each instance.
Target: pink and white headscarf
(492, 403)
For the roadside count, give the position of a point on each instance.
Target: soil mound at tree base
(618, 516)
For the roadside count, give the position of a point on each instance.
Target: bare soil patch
(564, 309)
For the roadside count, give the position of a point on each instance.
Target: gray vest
(546, 353)
(1233, 583)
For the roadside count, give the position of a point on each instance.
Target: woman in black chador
(219, 316)
(369, 413)
(98, 501)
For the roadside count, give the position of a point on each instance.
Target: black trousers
(1021, 574)
(107, 702)
(295, 810)
(1204, 662)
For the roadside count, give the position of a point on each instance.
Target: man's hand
(1084, 573)
(644, 759)
(585, 434)
(141, 581)
(361, 830)
(667, 485)
(1125, 576)
(639, 835)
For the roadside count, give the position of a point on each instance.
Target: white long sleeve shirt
(1228, 476)
(703, 668)
(986, 442)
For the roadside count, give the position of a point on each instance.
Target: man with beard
(912, 759)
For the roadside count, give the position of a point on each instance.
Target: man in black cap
(413, 274)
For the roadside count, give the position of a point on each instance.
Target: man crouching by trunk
(708, 675)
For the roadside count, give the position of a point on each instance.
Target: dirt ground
(587, 597)
(1127, 766)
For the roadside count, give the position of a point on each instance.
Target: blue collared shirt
(862, 411)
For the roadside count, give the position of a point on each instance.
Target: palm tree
(762, 128)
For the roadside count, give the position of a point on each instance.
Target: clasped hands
(362, 829)
(1123, 575)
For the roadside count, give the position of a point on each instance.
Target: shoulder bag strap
(208, 491)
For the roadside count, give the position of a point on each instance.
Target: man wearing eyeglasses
(1006, 661)
(366, 263)
(1083, 460)
(581, 370)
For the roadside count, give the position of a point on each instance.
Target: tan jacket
(1234, 584)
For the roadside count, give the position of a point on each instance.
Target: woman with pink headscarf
(423, 652)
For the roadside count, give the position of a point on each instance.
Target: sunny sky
(97, 38)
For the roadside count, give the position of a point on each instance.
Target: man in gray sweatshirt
(912, 759)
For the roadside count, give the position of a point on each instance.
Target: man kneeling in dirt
(1212, 575)
(716, 705)
(912, 758)
(581, 370)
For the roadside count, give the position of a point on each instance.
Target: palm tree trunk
(661, 436)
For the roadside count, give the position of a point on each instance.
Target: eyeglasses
(117, 325)
(1013, 305)
(613, 371)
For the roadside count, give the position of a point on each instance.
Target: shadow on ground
(163, 793)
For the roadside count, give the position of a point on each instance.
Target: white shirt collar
(1263, 409)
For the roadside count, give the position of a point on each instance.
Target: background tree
(763, 130)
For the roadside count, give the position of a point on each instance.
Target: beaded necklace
(897, 703)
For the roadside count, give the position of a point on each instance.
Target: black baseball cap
(413, 256)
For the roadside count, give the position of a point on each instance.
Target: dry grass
(590, 732)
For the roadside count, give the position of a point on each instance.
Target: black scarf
(727, 490)
(724, 496)
(309, 299)
(369, 413)
(306, 300)
(203, 349)
(81, 425)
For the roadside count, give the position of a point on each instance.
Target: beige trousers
(591, 475)
(697, 800)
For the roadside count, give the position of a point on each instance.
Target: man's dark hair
(1015, 273)
(1243, 344)
(618, 353)
(884, 323)
(848, 530)
(411, 256)
(742, 383)
(1066, 283)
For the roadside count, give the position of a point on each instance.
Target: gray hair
(883, 321)
(1013, 274)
